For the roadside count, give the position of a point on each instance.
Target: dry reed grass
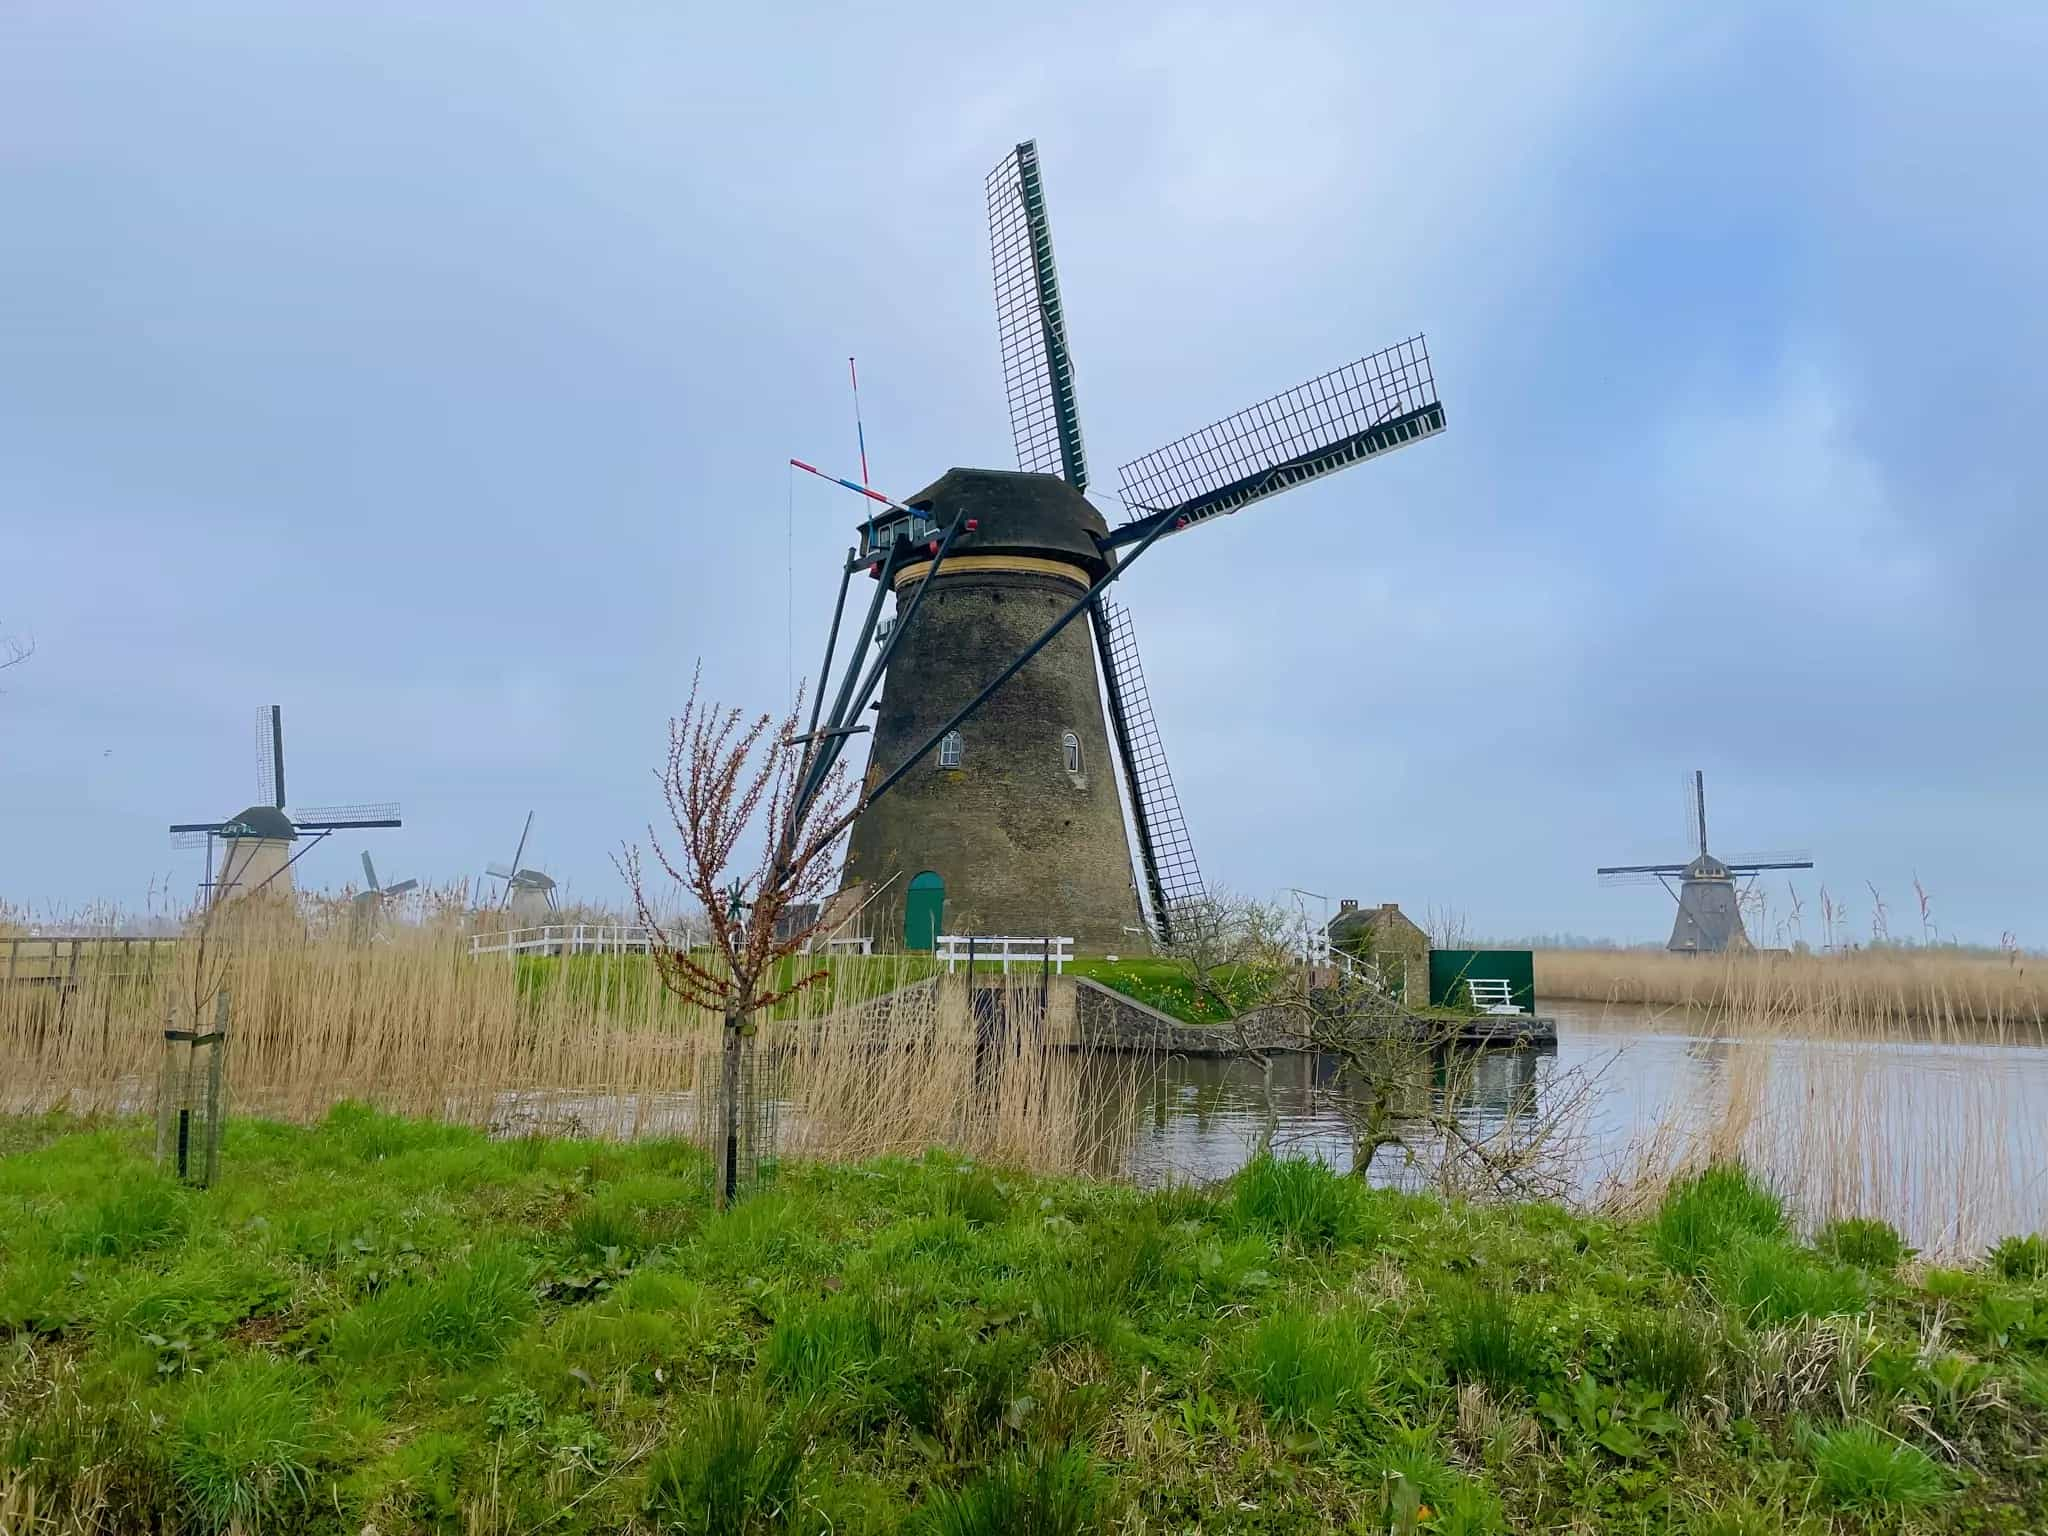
(418, 1027)
(1897, 1087)
(1884, 987)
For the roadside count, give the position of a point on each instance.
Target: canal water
(1947, 1139)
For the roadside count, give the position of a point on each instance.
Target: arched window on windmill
(1070, 752)
(949, 750)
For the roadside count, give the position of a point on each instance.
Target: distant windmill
(1709, 913)
(369, 902)
(256, 845)
(528, 894)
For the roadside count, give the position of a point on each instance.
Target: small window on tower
(949, 750)
(1070, 749)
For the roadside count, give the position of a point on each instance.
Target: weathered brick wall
(1023, 846)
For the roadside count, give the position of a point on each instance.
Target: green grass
(1166, 986)
(1306, 1369)
(375, 1323)
(241, 1446)
(1489, 1339)
(1864, 1242)
(1765, 1280)
(1304, 1202)
(1704, 1216)
(1859, 1467)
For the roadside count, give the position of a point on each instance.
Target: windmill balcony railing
(565, 939)
(957, 949)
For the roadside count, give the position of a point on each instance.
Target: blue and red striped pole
(862, 490)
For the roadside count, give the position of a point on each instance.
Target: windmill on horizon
(1709, 919)
(256, 844)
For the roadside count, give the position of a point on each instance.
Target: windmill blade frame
(1360, 411)
(369, 873)
(1031, 326)
(505, 899)
(1166, 852)
(400, 889)
(1777, 858)
(270, 755)
(331, 818)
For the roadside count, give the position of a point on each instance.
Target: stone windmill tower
(1709, 919)
(1004, 731)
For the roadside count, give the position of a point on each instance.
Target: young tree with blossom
(724, 775)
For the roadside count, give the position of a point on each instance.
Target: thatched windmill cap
(1017, 514)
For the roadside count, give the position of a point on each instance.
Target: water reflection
(1946, 1138)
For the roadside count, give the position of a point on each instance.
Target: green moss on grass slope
(380, 1324)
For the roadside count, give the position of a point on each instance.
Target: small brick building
(1388, 938)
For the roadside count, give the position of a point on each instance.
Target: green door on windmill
(923, 910)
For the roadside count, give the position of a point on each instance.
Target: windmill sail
(270, 755)
(316, 818)
(1172, 878)
(1351, 414)
(1038, 370)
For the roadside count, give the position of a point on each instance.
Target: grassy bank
(376, 1323)
(1166, 986)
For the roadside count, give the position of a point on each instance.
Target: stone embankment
(1108, 1020)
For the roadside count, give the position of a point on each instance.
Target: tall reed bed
(419, 1027)
(1882, 987)
(1903, 1088)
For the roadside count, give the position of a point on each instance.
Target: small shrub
(1305, 1369)
(1490, 1342)
(732, 1472)
(1705, 1215)
(1861, 1468)
(1767, 1280)
(2022, 1258)
(241, 1447)
(1865, 1242)
(1301, 1200)
(1668, 1352)
(1049, 1493)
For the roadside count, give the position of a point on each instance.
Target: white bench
(1491, 995)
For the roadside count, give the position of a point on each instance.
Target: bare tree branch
(727, 778)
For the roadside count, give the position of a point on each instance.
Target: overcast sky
(431, 370)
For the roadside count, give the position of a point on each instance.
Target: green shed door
(923, 911)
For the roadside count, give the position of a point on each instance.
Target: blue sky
(431, 370)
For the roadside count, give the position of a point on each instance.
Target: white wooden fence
(953, 949)
(564, 939)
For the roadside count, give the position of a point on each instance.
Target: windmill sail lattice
(1348, 415)
(1172, 877)
(1038, 370)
